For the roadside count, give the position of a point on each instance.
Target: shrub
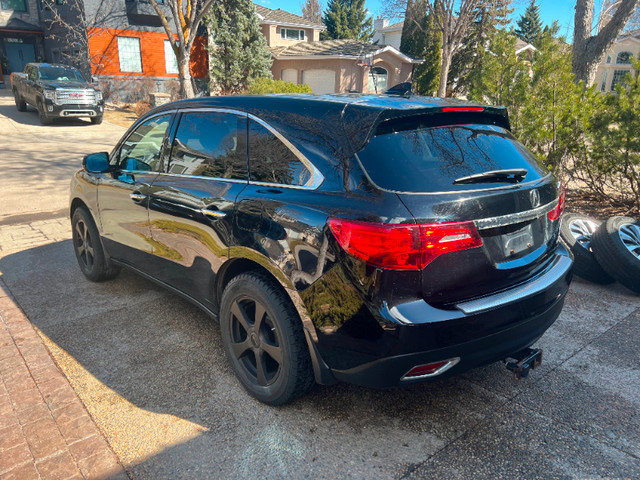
(140, 108)
(267, 85)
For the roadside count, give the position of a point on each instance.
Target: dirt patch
(123, 116)
(584, 202)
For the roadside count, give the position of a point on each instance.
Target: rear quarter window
(430, 159)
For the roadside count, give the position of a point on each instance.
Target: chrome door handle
(213, 213)
(137, 197)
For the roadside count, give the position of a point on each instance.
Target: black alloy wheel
(88, 248)
(264, 341)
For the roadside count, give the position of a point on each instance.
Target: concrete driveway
(150, 369)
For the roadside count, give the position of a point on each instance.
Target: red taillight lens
(430, 369)
(462, 109)
(556, 212)
(403, 247)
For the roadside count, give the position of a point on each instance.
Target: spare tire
(577, 230)
(616, 246)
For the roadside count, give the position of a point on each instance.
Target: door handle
(213, 213)
(137, 197)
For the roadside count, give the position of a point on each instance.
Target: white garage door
(290, 75)
(320, 80)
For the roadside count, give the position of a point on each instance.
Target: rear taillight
(403, 247)
(462, 109)
(557, 211)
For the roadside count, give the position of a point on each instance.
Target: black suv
(375, 240)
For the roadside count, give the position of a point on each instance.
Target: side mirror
(96, 162)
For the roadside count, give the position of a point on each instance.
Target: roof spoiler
(401, 89)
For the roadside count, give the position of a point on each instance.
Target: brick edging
(45, 430)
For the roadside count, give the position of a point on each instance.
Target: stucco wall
(350, 76)
(274, 39)
(628, 45)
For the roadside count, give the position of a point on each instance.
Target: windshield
(60, 74)
(431, 159)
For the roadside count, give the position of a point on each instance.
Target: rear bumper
(477, 332)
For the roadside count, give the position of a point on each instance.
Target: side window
(31, 74)
(271, 161)
(142, 149)
(210, 144)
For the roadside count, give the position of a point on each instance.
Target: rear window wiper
(513, 175)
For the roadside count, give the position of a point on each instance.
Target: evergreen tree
(530, 25)
(312, 11)
(422, 39)
(466, 67)
(347, 19)
(238, 51)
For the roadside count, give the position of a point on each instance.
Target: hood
(74, 85)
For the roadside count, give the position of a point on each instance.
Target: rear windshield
(430, 159)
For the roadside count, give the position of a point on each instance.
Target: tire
(21, 105)
(89, 250)
(44, 120)
(616, 245)
(577, 231)
(96, 120)
(264, 341)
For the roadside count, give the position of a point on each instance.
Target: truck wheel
(96, 120)
(44, 120)
(21, 105)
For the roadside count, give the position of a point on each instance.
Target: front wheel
(88, 248)
(264, 340)
(44, 119)
(96, 120)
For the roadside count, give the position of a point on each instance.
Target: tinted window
(430, 159)
(210, 144)
(142, 149)
(271, 160)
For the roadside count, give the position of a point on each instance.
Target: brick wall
(103, 45)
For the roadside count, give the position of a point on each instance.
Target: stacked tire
(604, 252)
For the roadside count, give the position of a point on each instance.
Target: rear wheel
(89, 252)
(616, 245)
(264, 341)
(21, 105)
(577, 231)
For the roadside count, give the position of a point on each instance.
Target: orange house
(141, 54)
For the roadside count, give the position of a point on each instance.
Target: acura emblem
(535, 198)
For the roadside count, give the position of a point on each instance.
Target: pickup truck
(56, 91)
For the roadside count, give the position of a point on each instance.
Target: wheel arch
(239, 265)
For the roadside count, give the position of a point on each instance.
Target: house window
(129, 54)
(624, 58)
(384, 39)
(170, 60)
(15, 5)
(378, 79)
(608, 59)
(605, 77)
(291, 34)
(618, 77)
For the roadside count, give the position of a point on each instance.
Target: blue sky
(561, 10)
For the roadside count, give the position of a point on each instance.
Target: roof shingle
(280, 16)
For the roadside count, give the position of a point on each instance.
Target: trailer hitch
(525, 360)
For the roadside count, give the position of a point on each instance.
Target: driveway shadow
(151, 369)
(30, 117)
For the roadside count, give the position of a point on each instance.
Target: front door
(123, 195)
(19, 54)
(191, 210)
